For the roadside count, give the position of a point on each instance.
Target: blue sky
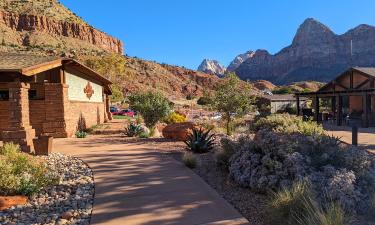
(184, 32)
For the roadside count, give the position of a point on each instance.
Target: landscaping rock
(7, 202)
(179, 131)
(69, 202)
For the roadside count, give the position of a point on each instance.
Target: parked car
(125, 112)
(113, 109)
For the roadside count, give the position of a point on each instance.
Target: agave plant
(200, 141)
(133, 130)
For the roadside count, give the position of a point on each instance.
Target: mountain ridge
(316, 53)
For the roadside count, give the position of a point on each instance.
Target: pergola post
(333, 106)
(366, 110)
(19, 130)
(316, 108)
(339, 111)
(298, 105)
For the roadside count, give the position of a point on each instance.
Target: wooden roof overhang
(31, 65)
(336, 93)
(329, 90)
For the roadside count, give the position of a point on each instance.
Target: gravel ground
(70, 202)
(251, 205)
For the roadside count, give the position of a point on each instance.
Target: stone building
(42, 95)
(351, 98)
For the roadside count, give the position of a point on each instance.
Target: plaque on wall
(88, 90)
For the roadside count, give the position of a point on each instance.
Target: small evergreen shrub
(200, 141)
(189, 160)
(175, 118)
(81, 134)
(22, 174)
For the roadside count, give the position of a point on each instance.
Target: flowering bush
(286, 151)
(175, 118)
(22, 173)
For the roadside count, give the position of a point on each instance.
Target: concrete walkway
(135, 184)
(366, 136)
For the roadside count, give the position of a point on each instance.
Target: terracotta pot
(8, 201)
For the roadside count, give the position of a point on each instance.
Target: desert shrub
(283, 91)
(133, 130)
(315, 215)
(286, 150)
(200, 141)
(152, 106)
(204, 100)
(81, 134)
(285, 123)
(287, 205)
(189, 160)
(22, 174)
(144, 135)
(297, 205)
(175, 118)
(226, 151)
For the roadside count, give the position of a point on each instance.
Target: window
(33, 95)
(4, 95)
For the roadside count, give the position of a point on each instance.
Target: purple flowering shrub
(273, 159)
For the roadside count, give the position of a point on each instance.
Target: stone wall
(38, 115)
(4, 115)
(88, 113)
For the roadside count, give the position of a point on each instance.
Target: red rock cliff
(60, 28)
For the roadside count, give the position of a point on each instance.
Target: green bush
(283, 91)
(133, 130)
(152, 106)
(225, 153)
(200, 141)
(189, 160)
(204, 100)
(81, 134)
(144, 135)
(175, 118)
(288, 124)
(22, 174)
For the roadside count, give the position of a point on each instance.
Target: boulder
(7, 202)
(179, 131)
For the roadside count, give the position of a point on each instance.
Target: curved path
(135, 184)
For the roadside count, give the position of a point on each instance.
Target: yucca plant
(133, 130)
(200, 141)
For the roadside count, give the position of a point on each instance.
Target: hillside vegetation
(49, 8)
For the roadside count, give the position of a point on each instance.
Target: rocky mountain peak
(239, 60)
(312, 31)
(212, 67)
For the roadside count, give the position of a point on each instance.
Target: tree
(232, 99)
(153, 106)
(117, 94)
